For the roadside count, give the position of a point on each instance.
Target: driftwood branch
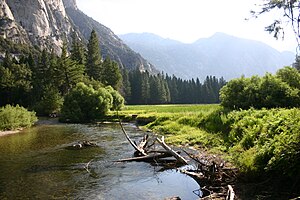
(230, 193)
(86, 167)
(174, 153)
(145, 158)
(138, 149)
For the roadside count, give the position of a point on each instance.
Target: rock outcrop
(9, 29)
(47, 23)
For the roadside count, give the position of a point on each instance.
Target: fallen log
(171, 151)
(146, 158)
(138, 149)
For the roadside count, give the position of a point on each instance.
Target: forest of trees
(40, 81)
(161, 89)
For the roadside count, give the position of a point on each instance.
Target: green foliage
(289, 75)
(68, 72)
(93, 62)
(163, 89)
(12, 118)
(111, 74)
(266, 140)
(118, 100)
(85, 104)
(51, 102)
(270, 91)
(77, 50)
(15, 82)
(258, 141)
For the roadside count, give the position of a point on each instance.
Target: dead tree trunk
(172, 152)
(137, 148)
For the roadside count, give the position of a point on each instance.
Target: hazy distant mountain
(219, 55)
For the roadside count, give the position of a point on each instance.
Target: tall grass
(258, 141)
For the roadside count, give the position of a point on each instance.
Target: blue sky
(186, 20)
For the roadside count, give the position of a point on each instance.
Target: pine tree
(145, 88)
(77, 50)
(126, 86)
(111, 74)
(94, 60)
(69, 72)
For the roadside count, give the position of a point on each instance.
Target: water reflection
(36, 164)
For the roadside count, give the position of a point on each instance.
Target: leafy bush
(16, 117)
(118, 100)
(85, 104)
(282, 90)
(266, 140)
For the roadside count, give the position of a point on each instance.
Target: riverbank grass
(257, 141)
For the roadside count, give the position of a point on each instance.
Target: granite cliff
(46, 23)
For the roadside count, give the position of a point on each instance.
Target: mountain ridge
(219, 55)
(46, 24)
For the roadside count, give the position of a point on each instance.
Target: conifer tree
(69, 72)
(145, 88)
(111, 74)
(77, 50)
(126, 86)
(94, 60)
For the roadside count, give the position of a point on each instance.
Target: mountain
(218, 55)
(47, 23)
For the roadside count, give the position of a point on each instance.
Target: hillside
(219, 55)
(45, 24)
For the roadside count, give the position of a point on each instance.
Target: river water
(37, 164)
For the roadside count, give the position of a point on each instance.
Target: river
(37, 164)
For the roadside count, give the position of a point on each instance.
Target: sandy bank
(3, 133)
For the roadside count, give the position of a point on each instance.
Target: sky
(187, 20)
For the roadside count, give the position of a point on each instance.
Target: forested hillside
(41, 80)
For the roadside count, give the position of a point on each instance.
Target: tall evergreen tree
(94, 59)
(145, 88)
(15, 82)
(77, 50)
(111, 74)
(69, 72)
(126, 86)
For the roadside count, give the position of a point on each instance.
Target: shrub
(85, 104)
(266, 140)
(118, 100)
(269, 91)
(16, 117)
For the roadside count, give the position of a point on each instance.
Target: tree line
(40, 81)
(144, 88)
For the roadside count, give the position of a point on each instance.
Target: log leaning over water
(174, 153)
(137, 148)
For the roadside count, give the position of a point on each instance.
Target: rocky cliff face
(9, 29)
(70, 4)
(46, 23)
